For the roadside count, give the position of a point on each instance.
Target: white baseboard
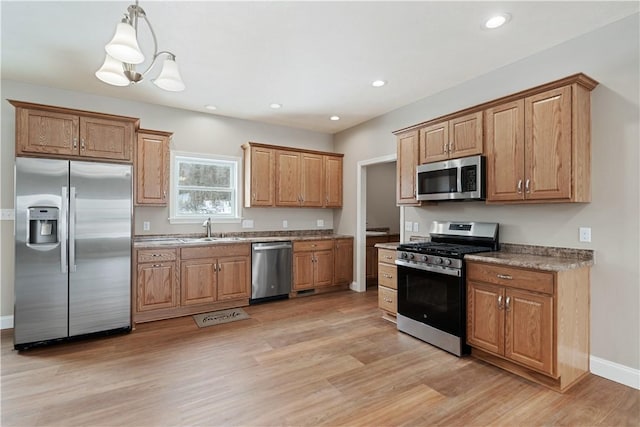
(6, 322)
(615, 372)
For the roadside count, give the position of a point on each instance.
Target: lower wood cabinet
(343, 261)
(312, 264)
(156, 279)
(530, 322)
(182, 281)
(387, 281)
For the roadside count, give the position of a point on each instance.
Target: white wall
(611, 56)
(192, 132)
(381, 197)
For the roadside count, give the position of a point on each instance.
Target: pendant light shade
(124, 45)
(123, 54)
(169, 78)
(112, 73)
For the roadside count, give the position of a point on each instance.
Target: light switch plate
(247, 223)
(416, 227)
(285, 223)
(146, 225)
(408, 226)
(320, 222)
(7, 214)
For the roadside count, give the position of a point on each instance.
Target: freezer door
(99, 247)
(40, 250)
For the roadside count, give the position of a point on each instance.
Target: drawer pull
(157, 265)
(387, 257)
(388, 276)
(387, 300)
(504, 276)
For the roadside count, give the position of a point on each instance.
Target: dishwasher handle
(260, 247)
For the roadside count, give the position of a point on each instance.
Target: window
(204, 187)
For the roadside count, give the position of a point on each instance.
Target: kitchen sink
(209, 239)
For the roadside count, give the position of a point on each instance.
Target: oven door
(435, 298)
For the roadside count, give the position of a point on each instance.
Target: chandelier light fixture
(123, 54)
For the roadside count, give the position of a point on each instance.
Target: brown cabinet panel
(105, 139)
(485, 318)
(388, 300)
(152, 168)
(333, 181)
(504, 127)
(343, 261)
(323, 270)
(156, 286)
(262, 177)
(408, 152)
(198, 281)
(234, 278)
(288, 170)
(529, 329)
(387, 275)
(312, 175)
(312, 245)
(42, 132)
(303, 270)
(537, 281)
(548, 145)
(434, 143)
(465, 135)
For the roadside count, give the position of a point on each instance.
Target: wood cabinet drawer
(387, 275)
(313, 245)
(156, 255)
(536, 281)
(388, 299)
(387, 256)
(215, 251)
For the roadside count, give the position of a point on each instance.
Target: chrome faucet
(207, 224)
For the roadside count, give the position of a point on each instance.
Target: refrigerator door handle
(72, 230)
(62, 230)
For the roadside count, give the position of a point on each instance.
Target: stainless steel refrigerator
(72, 249)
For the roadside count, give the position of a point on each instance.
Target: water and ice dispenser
(43, 225)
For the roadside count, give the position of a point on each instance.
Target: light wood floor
(322, 360)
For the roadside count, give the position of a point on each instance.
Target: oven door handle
(441, 270)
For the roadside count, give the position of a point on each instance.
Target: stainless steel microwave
(456, 179)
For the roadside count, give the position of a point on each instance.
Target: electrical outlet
(247, 223)
(408, 226)
(416, 227)
(146, 225)
(7, 214)
(320, 223)
(285, 223)
(585, 234)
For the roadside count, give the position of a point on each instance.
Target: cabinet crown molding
(64, 110)
(579, 79)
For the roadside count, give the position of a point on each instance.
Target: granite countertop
(536, 257)
(389, 245)
(176, 240)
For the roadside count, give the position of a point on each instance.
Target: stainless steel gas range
(431, 282)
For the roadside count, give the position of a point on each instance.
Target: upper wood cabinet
(288, 177)
(458, 137)
(406, 168)
(539, 147)
(259, 178)
(333, 181)
(48, 131)
(152, 168)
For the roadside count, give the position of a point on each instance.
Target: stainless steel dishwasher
(270, 271)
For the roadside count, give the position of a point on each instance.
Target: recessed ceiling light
(497, 21)
(275, 106)
(334, 118)
(210, 107)
(378, 83)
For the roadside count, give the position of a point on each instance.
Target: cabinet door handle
(519, 186)
(451, 146)
(499, 302)
(504, 276)
(527, 188)
(253, 196)
(75, 142)
(164, 194)
(82, 143)
(507, 304)
(445, 147)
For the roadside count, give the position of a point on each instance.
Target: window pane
(204, 175)
(199, 202)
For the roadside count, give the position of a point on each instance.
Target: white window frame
(175, 218)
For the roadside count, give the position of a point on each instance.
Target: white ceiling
(315, 58)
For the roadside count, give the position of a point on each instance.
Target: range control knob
(403, 255)
(425, 258)
(438, 260)
(447, 261)
(411, 256)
